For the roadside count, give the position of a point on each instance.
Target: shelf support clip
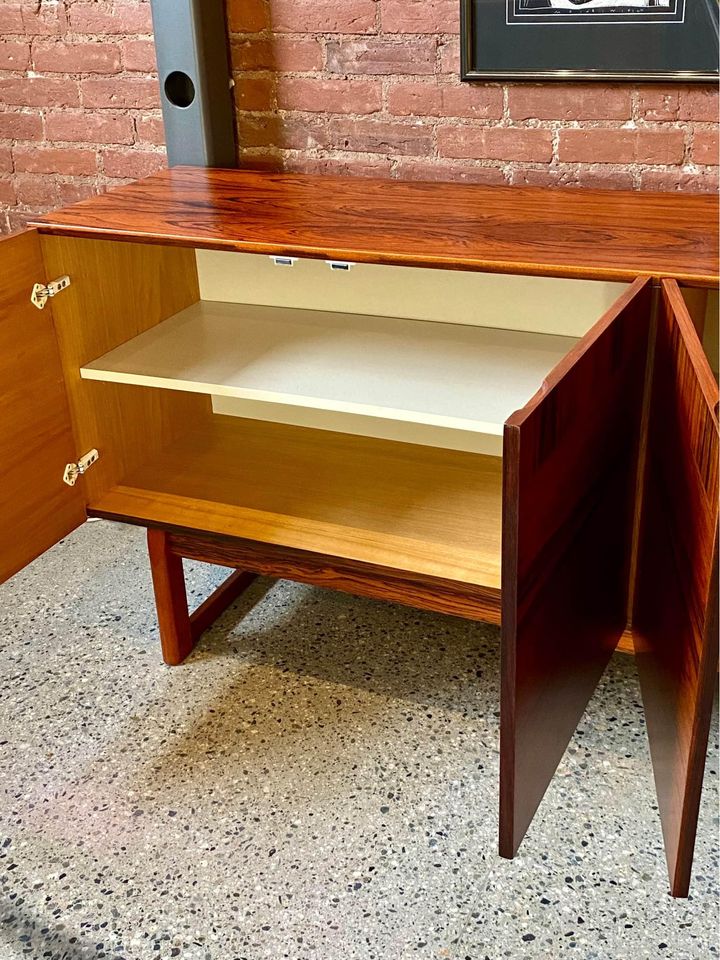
(341, 265)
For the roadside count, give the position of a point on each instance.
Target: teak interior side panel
(675, 612)
(36, 441)
(570, 465)
(610, 235)
(117, 291)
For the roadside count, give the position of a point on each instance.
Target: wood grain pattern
(569, 486)
(403, 507)
(339, 573)
(118, 290)
(610, 235)
(36, 441)
(675, 610)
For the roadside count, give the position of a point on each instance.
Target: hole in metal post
(179, 89)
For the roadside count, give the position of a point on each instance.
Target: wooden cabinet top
(607, 235)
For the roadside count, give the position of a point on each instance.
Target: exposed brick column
(79, 103)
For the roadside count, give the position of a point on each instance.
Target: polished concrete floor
(318, 781)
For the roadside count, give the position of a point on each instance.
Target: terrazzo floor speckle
(317, 782)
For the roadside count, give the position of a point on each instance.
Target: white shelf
(443, 377)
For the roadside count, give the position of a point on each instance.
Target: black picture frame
(498, 41)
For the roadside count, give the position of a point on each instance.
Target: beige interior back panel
(534, 304)
(361, 426)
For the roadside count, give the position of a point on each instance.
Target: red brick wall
(79, 107)
(371, 87)
(357, 86)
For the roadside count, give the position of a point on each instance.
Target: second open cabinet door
(569, 491)
(36, 440)
(675, 612)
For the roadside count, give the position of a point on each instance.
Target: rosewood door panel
(36, 441)
(675, 609)
(570, 475)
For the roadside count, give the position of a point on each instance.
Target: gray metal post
(195, 82)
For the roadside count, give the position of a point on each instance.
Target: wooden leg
(170, 599)
(180, 630)
(218, 602)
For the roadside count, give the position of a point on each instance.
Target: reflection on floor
(318, 781)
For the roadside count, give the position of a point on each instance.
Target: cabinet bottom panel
(401, 509)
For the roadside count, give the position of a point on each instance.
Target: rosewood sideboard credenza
(493, 402)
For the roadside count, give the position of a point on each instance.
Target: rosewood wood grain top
(606, 235)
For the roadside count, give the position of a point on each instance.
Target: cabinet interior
(443, 359)
(707, 315)
(367, 421)
(458, 381)
(430, 512)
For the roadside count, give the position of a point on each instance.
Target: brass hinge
(42, 291)
(75, 470)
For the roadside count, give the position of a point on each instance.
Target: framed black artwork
(590, 40)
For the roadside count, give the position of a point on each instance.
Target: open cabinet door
(570, 476)
(36, 507)
(675, 611)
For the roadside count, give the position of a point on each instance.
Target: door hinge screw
(41, 292)
(73, 471)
